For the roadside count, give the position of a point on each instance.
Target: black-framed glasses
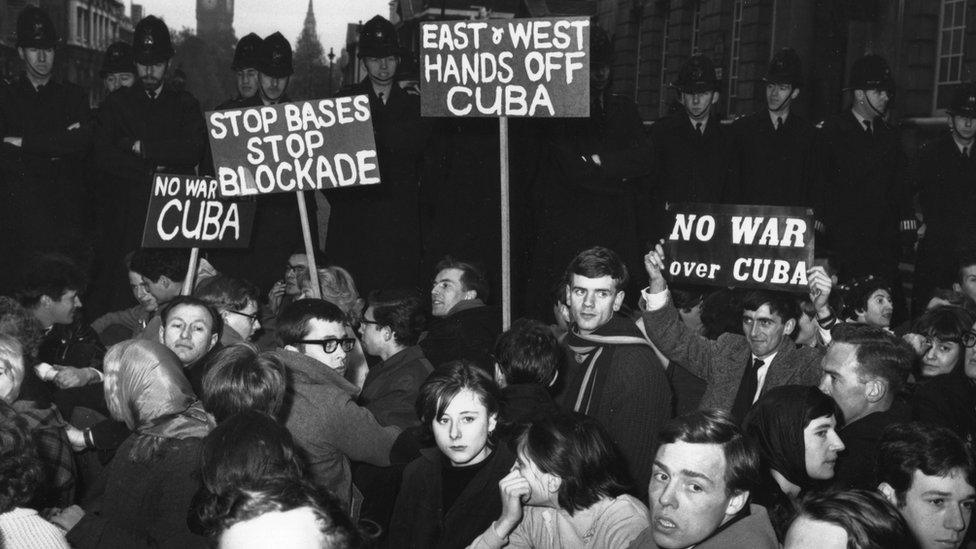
(253, 318)
(969, 339)
(365, 320)
(330, 344)
(295, 268)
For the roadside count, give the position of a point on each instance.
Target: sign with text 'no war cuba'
(187, 211)
(506, 67)
(742, 246)
(302, 146)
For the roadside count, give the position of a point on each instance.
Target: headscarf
(145, 387)
(776, 423)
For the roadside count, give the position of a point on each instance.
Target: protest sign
(289, 147)
(515, 67)
(742, 246)
(187, 211)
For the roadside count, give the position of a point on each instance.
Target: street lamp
(331, 56)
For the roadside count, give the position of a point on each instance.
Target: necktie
(779, 122)
(698, 128)
(867, 127)
(965, 152)
(380, 96)
(747, 390)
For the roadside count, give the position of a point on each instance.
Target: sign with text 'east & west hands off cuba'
(743, 246)
(506, 67)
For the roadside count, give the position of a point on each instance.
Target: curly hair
(17, 322)
(20, 469)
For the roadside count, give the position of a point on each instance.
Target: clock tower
(214, 16)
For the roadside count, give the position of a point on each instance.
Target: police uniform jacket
(43, 191)
(773, 167)
(864, 176)
(384, 218)
(171, 132)
(946, 193)
(578, 203)
(690, 166)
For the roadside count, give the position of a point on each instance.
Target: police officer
(147, 128)
(275, 70)
(774, 157)
(277, 226)
(46, 132)
(862, 166)
(118, 68)
(944, 177)
(383, 219)
(591, 187)
(692, 150)
(245, 67)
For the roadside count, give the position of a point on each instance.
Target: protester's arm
(187, 148)
(505, 532)
(396, 407)
(820, 285)
(360, 437)
(664, 327)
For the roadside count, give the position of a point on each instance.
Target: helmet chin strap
(782, 106)
(870, 104)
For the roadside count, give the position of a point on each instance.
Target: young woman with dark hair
(794, 429)
(448, 494)
(565, 491)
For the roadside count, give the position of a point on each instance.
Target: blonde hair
(338, 288)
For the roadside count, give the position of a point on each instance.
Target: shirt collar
(773, 116)
(861, 120)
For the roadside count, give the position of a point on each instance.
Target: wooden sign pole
(506, 223)
(313, 273)
(191, 272)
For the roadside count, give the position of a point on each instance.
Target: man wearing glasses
(324, 418)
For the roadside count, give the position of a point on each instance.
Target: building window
(696, 29)
(734, 54)
(952, 29)
(665, 32)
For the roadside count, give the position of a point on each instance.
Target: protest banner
(515, 67)
(187, 211)
(499, 68)
(743, 246)
(289, 147)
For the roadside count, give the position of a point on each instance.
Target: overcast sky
(264, 17)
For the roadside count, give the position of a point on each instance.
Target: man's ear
(45, 300)
(859, 96)
(164, 281)
(470, 294)
(956, 287)
(715, 97)
(618, 300)
(736, 503)
(213, 341)
(789, 326)
(875, 390)
(291, 348)
(499, 376)
(888, 491)
(553, 483)
(794, 94)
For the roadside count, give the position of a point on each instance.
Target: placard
(744, 246)
(506, 67)
(289, 147)
(187, 211)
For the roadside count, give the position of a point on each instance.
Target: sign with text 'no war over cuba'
(513, 67)
(187, 211)
(742, 246)
(302, 146)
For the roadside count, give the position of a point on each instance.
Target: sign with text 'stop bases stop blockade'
(506, 67)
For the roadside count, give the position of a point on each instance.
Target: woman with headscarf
(143, 495)
(794, 429)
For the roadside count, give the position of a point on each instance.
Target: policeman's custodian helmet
(601, 47)
(378, 38)
(275, 57)
(964, 101)
(872, 72)
(247, 54)
(697, 75)
(151, 43)
(118, 58)
(35, 29)
(785, 68)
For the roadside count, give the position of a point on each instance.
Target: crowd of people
(221, 403)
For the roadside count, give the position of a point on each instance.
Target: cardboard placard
(288, 147)
(506, 67)
(744, 246)
(187, 211)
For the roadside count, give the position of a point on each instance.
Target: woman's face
(461, 432)
(541, 484)
(940, 357)
(821, 445)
